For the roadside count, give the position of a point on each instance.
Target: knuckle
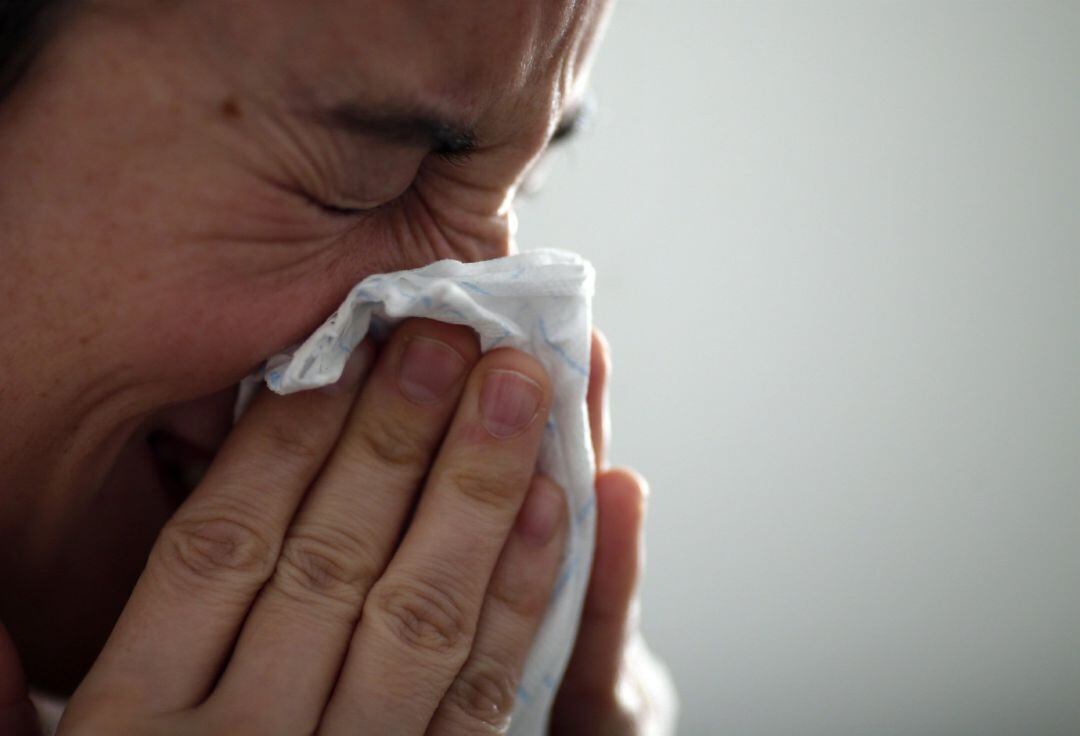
(219, 548)
(484, 696)
(326, 564)
(392, 443)
(292, 441)
(423, 618)
(520, 595)
(486, 486)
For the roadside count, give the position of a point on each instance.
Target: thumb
(17, 714)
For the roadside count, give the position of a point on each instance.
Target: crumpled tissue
(538, 302)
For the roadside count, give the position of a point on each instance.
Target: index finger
(219, 548)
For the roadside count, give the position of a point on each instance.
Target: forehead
(462, 51)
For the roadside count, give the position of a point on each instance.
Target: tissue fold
(538, 302)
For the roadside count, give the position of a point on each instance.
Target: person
(189, 187)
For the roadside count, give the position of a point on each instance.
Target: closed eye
(454, 146)
(574, 121)
(337, 211)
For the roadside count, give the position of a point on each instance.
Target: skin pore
(188, 187)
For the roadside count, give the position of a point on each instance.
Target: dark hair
(24, 27)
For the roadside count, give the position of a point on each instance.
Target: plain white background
(838, 248)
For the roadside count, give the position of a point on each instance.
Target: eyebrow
(408, 126)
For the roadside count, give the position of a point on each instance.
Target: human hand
(613, 684)
(247, 618)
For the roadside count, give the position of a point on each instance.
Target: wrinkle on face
(166, 194)
(207, 182)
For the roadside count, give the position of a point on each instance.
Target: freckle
(230, 109)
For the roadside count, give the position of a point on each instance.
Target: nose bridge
(561, 22)
(572, 29)
(592, 30)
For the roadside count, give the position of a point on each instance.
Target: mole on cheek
(230, 109)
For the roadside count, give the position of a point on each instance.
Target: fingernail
(508, 402)
(541, 513)
(355, 368)
(428, 369)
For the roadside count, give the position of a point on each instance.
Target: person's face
(215, 176)
(193, 186)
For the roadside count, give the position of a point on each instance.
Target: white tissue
(538, 302)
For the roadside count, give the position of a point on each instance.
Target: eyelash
(334, 211)
(456, 148)
(457, 158)
(454, 156)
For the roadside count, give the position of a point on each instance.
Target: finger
(219, 548)
(596, 398)
(418, 622)
(589, 686)
(482, 696)
(296, 636)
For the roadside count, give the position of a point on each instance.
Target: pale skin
(188, 187)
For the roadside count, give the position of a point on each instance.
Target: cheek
(204, 289)
(205, 334)
(192, 299)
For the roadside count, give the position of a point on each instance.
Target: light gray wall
(838, 247)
